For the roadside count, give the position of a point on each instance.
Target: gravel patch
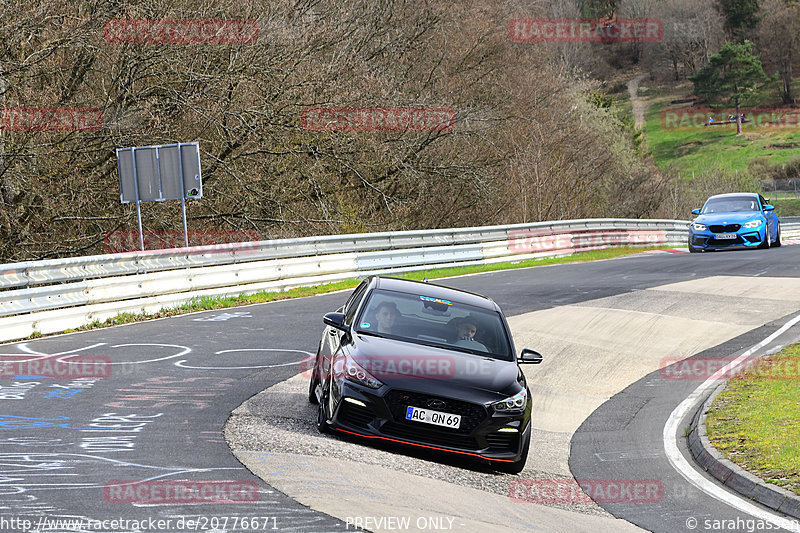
(280, 420)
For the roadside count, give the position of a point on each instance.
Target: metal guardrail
(33, 273)
(55, 295)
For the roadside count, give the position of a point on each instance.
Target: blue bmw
(734, 220)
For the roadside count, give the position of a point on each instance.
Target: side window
(763, 202)
(352, 304)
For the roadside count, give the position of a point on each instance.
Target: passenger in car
(386, 316)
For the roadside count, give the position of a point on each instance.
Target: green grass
(788, 207)
(211, 303)
(700, 148)
(755, 421)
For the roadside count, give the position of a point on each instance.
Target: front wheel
(313, 382)
(517, 466)
(767, 242)
(322, 413)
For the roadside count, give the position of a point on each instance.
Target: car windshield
(731, 204)
(422, 319)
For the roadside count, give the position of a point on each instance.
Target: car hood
(728, 218)
(414, 367)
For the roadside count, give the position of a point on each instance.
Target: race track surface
(142, 440)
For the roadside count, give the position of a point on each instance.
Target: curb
(732, 475)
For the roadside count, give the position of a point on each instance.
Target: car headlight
(356, 373)
(699, 227)
(512, 404)
(753, 223)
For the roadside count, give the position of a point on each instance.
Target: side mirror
(769, 208)
(529, 356)
(335, 320)
(695, 211)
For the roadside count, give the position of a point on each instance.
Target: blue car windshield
(731, 204)
(422, 319)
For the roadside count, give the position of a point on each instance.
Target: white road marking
(24, 348)
(182, 365)
(184, 351)
(682, 466)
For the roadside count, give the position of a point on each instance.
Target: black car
(425, 365)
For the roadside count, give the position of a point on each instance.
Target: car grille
(471, 414)
(354, 415)
(728, 228)
(503, 442)
(419, 433)
(737, 240)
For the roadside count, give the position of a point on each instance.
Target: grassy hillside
(699, 148)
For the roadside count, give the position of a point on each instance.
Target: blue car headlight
(699, 227)
(513, 404)
(753, 223)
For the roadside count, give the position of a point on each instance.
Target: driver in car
(467, 327)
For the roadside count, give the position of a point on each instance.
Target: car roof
(732, 194)
(432, 290)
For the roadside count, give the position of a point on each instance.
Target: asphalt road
(73, 447)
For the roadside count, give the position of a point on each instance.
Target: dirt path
(639, 106)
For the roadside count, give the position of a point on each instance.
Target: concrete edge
(732, 475)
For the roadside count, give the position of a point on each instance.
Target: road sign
(156, 173)
(159, 173)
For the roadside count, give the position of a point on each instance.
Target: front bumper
(378, 415)
(745, 238)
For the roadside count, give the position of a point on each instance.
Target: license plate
(721, 236)
(436, 418)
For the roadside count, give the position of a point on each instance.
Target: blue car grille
(728, 228)
(737, 240)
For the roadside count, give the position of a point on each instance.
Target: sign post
(159, 173)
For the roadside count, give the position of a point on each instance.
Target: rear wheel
(777, 242)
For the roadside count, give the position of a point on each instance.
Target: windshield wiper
(370, 333)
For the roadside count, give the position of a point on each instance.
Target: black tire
(767, 242)
(777, 242)
(322, 414)
(517, 466)
(313, 382)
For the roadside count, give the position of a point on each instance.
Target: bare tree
(779, 40)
